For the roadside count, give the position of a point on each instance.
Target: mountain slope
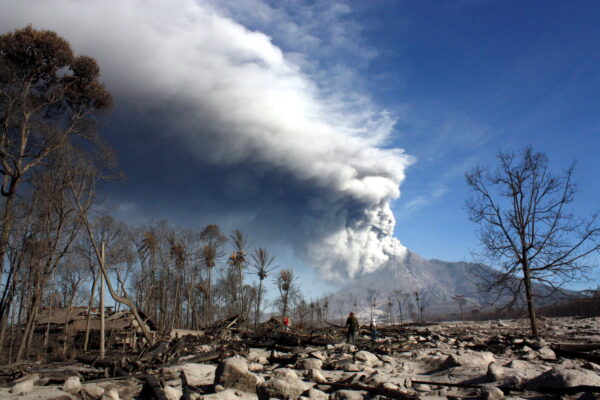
(436, 282)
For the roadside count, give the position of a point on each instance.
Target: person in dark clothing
(351, 328)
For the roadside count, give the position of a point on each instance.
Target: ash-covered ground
(449, 360)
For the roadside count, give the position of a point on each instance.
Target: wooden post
(102, 261)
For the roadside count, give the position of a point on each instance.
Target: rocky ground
(487, 360)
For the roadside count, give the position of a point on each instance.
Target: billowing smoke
(312, 164)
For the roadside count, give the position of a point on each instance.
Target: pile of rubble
(487, 360)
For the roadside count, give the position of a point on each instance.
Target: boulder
(494, 372)
(196, 374)
(546, 353)
(492, 393)
(316, 376)
(558, 378)
(309, 363)
(348, 366)
(112, 394)
(348, 348)
(281, 388)
(284, 373)
(315, 394)
(72, 385)
(474, 359)
(319, 355)
(22, 387)
(233, 373)
(172, 393)
(366, 356)
(92, 390)
(346, 395)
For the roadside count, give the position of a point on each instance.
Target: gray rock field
(449, 360)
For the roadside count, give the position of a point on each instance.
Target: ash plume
(278, 146)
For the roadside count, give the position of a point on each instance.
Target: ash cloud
(222, 121)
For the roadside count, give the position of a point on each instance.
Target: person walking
(351, 328)
(373, 328)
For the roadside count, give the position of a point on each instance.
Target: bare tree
(285, 284)
(400, 297)
(419, 308)
(213, 238)
(238, 261)
(526, 226)
(262, 267)
(372, 297)
(48, 96)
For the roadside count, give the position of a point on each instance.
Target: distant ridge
(436, 281)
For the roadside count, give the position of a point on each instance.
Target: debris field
(448, 360)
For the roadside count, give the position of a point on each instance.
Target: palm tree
(262, 266)
(212, 236)
(237, 259)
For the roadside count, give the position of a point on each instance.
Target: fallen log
(577, 346)
(112, 366)
(508, 389)
(577, 354)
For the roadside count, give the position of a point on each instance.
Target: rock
(285, 373)
(172, 393)
(346, 395)
(319, 355)
(316, 376)
(72, 385)
(559, 377)
(546, 353)
(22, 387)
(233, 373)
(469, 359)
(519, 364)
(317, 394)
(112, 394)
(348, 366)
(228, 394)
(196, 374)
(387, 359)
(92, 390)
(366, 356)
(309, 363)
(492, 393)
(591, 366)
(289, 388)
(389, 385)
(43, 393)
(494, 372)
(348, 348)
(253, 367)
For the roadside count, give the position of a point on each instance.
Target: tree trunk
(102, 338)
(529, 295)
(89, 316)
(258, 300)
(7, 220)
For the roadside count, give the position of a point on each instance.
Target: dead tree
(213, 238)
(526, 227)
(285, 284)
(49, 99)
(262, 267)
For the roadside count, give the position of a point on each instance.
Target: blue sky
(470, 78)
(298, 121)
